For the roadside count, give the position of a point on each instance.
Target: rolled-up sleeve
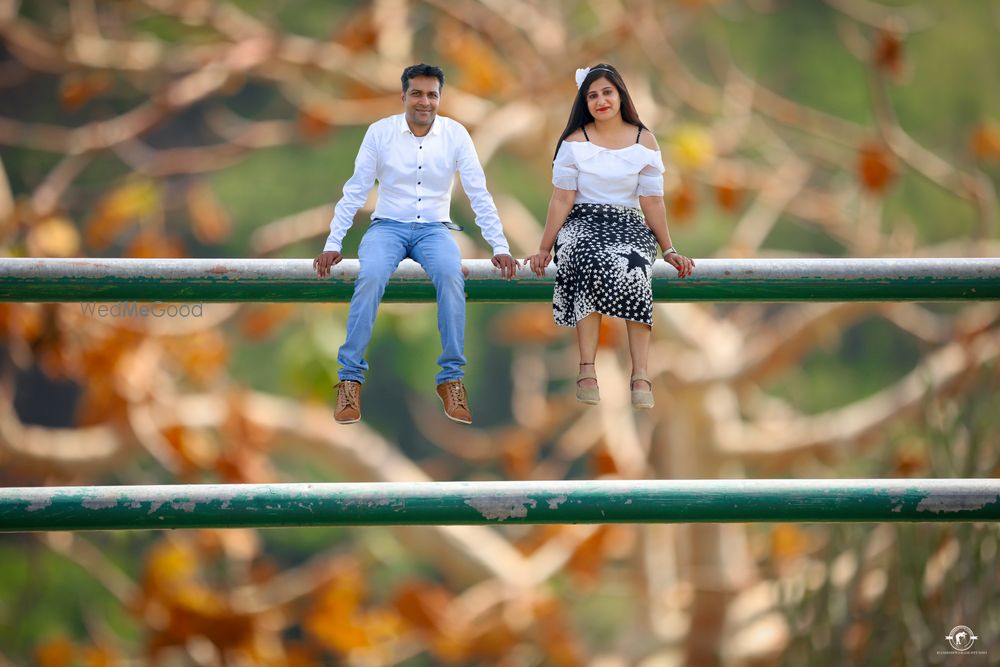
(564, 169)
(651, 177)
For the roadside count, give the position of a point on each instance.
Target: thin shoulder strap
(637, 135)
(584, 128)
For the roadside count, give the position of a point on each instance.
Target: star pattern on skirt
(598, 249)
(635, 260)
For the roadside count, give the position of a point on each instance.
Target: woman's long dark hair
(580, 115)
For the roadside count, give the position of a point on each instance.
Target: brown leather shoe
(456, 402)
(348, 408)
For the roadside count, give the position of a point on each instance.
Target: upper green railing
(234, 280)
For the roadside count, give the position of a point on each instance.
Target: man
(414, 157)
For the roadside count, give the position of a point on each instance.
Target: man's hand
(325, 261)
(508, 265)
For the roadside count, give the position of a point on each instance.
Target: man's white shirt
(415, 178)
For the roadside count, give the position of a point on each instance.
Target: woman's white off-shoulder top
(608, 175)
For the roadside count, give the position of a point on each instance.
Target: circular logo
(961, 638)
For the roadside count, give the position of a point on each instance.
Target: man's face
(420, 101)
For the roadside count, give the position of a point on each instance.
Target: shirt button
(418, 217)
(420, 200)
(418, 182)
(419, 167)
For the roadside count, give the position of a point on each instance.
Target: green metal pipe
(236, 280)
(451, 503)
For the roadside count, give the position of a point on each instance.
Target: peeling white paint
(499, 508)
(938, 503)
(95, 504)
(554, 503)
(39, 505)
(155, 505)
(185, 506)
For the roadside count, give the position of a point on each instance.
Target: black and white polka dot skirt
(604, 263)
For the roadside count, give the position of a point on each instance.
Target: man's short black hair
(421, 70)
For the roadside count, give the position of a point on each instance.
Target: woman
(606, 168)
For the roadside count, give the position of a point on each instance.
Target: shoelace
(457, 395)
(349, 395)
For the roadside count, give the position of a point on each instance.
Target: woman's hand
(684, 265)
(539, 261)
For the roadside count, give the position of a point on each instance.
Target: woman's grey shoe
(642, 399)
(588, 395)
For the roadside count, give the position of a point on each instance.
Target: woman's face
(603, 100)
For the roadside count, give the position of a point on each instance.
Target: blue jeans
(385, 244)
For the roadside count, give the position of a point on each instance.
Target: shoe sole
(455, 419)
(347, 421)
(588, 401)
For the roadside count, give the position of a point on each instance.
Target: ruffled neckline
(635, 153)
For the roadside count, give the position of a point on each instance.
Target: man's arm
(487, 218)
(355, 193)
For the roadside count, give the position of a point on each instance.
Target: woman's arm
(655, 212)
(559, 207)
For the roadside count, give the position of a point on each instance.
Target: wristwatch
(671, 249)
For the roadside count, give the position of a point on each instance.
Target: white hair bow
(581, 74)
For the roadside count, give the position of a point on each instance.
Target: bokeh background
(167, 128)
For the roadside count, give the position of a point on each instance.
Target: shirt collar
(405, 129)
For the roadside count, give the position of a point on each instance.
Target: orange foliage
(888, 53)
(682, 203)
(985, 141)
(876, 167)
(359, 33)
(602, 463)
(210, 222)
(519, 454)
(526, 323)
(480, 70)
(54, 236)
(788, 542)
(260, 321)
(192, 449)
(152, 243)
(201, 356)
(56, 652)
(78, 88)
(314, 121)
(136, 199)
(561, 646)
(422, 605)
(182, 607)
(338, 621)
(728, 196)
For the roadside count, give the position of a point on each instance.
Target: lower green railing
(451, 503)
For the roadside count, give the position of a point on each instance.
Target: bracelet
(669, 250)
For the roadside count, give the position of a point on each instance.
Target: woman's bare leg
(638, 348)
(588, 331)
